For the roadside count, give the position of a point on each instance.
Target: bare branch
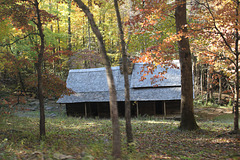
(9, 44)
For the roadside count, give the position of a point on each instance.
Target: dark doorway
(159, 107)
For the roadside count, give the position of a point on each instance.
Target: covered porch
(138, 108)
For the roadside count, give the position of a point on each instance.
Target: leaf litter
(79, 137)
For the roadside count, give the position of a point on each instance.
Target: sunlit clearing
(155, 156)
(160, 122)
(221, 140)
(90, 124)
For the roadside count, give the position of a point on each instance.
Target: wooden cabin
(91, 97)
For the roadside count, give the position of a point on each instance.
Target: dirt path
(208, 113)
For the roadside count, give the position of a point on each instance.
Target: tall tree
(236, 109)
(39, 70)
(188, 121)
(24, 13)
(116, 152)
(125, 73)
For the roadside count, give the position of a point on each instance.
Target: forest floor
(79, 138)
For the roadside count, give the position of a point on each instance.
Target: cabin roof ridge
(92, 69)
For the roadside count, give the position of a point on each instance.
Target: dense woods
(41, 40)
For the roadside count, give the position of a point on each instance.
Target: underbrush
(82, 138)
(198, 102)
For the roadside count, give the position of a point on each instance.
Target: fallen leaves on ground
(91, 138)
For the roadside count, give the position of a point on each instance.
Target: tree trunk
(187, 114)
(126, 81)
(83, 32)
(69, 26)
(39, 72)
(211, 87)
(21, 81)
(196, 76)
(58, 27)
(112, 90)
(201, 81)
(208, 86)
(220, 90)
(234, 95)
(88, 29)
(236, 113)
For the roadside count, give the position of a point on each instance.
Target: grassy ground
(78, 138)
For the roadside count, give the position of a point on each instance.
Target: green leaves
(5, 29)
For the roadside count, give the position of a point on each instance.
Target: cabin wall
(146, 108)
(121, 109)
(75, 109)
(173, 107)
(88, 109)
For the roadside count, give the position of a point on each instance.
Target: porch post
(60, 108)
(137, 109)
(98, 109)
(85, 105)
(164, 109)
(154, 108)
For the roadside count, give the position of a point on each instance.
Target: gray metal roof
(173, 77)
(90, 85)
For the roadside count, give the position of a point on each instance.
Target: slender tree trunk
(211, 87)
(126, 81)
(83, 32)
(187, 114)
(196, 76)
(39, 72)
(234, 95)
(220, 90)
(208, 85)
(58, 27)
(201, 81)
(89, 37)
(88, 28)
(54, 51)
(112, 90)
(236, 115)
(69, 26)
(21, 81)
